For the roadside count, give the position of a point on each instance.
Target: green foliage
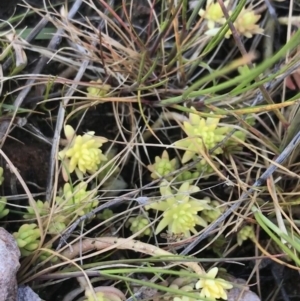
(162, 166)
(212, 214)
(203, 134)
(82, 154)
(42, 207)
(180, 209)
(138, 223)
(3, 211)
(28, 238)
(245, 233)
(1, 175)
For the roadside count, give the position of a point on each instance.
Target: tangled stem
(100, 243)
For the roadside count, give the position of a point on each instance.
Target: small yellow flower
(212, 287)
(213, 13)
(180, 210)
(245, 24)
(82, 154)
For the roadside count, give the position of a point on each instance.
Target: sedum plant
(3, 211)
(245, 24)
(213, 13)
(180, 209)
(210, 215)
(72, 201)
(77, 200)
(82, 154)
(28, 238)
(183, 284)
(212, 287)
(162, 166)
(137, 223)
(106, 214)
(245, 233)
(98, 89)
(202, 134)
(42, 207)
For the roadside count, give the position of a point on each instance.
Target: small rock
(238, 294)
(9, 265)
(25, 293)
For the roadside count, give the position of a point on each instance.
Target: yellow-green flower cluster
(212, 287)
(71, 203)
(138, 223)
(187, 176)
(245, 23)
(245, 233)
(185, 285)
(204, 169)
(82, 154)
(233, 145)
(202, 135)
(98, 89)
(212, 214)
(43, 209)
(3, 211)
(213, 13)
(28, 238)
(180, 210)
(162, 166)
(77, 200)
(106, 214)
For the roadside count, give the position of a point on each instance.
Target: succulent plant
(98, 89)
(212, 214)
(245, 23)
(77, 200)
(28, 238)
(82, 154)
(42, 207)
(180, 210)
(163, 166)
(3, 211)
(213, 13)
(212, 287)
(202, 135)
(245, 233)
(138, 223)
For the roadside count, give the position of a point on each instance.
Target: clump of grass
(188, 130)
